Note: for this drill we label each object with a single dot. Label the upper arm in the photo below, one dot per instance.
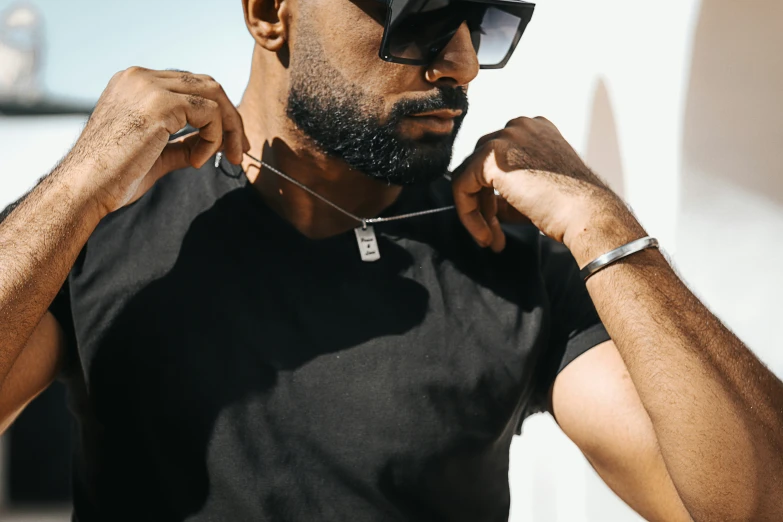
(596, 404)
(574, 324)
(34, 369)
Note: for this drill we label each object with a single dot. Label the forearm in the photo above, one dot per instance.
(39, 242)
(717, 411)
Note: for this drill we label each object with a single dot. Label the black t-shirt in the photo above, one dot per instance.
(224, 367)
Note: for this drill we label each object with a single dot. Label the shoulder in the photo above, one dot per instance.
(155, 225)
(174, 201)
(177, 195)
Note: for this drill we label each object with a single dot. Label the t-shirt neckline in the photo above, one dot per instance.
(405, 202)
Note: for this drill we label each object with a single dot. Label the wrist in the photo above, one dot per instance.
(602, 229)
(74, 182)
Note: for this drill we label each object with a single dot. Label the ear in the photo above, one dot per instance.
(267, 21)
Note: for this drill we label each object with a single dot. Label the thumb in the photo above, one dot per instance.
(176, 155)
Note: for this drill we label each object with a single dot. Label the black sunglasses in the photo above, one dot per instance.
(416, 31)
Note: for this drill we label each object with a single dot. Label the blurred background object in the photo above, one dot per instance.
(678, 104)
(21, 53)
(21, 43)
(35, 452)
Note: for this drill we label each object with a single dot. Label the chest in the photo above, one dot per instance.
(420, 347)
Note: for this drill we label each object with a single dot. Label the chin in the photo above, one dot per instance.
(420, 170)
(436, 140)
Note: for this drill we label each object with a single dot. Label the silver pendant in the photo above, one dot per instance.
(368, 244)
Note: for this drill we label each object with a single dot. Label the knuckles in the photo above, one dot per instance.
(154, 100)
(521, 121)
(530, 124)
(544, 120)
(140, 89)
(131, 75)
(494, 140)
(207, 85)
(513, 144)
(131, 72)
(204, 78)
(196, 101)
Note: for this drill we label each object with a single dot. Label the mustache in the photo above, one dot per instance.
(454, 98)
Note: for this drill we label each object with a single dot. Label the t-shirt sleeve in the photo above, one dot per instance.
(61, 310)
(574, 325)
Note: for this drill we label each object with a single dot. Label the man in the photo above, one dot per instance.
(241, 343)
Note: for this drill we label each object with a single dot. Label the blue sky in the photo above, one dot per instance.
(87, 41)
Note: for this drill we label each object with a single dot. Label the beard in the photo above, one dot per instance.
(342, 121)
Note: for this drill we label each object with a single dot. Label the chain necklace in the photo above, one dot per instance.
(365, 235)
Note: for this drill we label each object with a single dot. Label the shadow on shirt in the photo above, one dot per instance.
(197, 375)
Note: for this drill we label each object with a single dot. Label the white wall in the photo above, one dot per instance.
(678, 103)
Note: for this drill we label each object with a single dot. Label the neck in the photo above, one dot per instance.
(275, 140)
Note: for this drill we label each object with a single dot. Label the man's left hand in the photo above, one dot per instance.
(539, 177)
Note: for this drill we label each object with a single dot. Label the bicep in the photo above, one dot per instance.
(596, 404)
(33, 371)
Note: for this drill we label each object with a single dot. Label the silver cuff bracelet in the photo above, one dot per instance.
(617, 254)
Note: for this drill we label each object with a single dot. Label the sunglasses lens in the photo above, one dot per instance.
(495, 35)
(418, 30)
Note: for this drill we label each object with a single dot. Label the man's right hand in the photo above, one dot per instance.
(124, 148)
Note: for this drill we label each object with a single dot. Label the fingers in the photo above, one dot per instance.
(205, 115)
(234, 142)
(177, 155)
(475, 200)
(489, 210)
(466, 186)
(489, 137)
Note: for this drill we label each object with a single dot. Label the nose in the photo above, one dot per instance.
(457, 63)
